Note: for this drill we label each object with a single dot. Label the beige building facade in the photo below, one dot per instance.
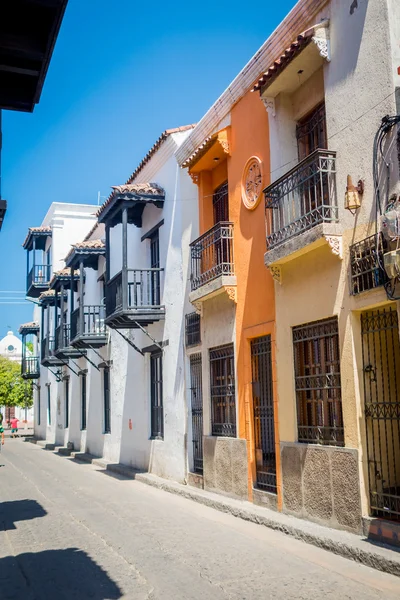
(334, 176)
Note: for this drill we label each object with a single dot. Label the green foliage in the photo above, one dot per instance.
(29, 345)
(14, 391)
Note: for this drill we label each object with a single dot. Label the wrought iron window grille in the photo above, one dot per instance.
(212, 255)
(366, 264)
(221, 203)
(317, 383)
(311, 132)
(196, 397)
(302, 198)
(192, 329)
(223, 393)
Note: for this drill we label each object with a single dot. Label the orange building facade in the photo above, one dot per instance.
(233, 293)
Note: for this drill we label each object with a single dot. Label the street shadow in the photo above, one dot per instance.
(19, 510)
(55, 574)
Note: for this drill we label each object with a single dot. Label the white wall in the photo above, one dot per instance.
(129, 441)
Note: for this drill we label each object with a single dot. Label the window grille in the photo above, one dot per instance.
(221, 203)
(48, 405)
(66, 400)
(38, 405)
(196, 396)
(156, 395)
(107, 408)
(223, 403)
(317, 383)
(193, 335)
(366, 264)
(83, 401)
(311, 132)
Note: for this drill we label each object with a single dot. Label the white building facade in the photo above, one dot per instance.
(46, 247)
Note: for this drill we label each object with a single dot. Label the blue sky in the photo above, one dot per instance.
(122, 72)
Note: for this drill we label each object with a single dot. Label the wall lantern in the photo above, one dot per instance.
(352, 197)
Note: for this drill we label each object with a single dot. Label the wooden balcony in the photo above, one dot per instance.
(133, 299)
(88, 328)
(47, 353)
(63, 348)
(30, 368)
(212, 264)
(38, 280)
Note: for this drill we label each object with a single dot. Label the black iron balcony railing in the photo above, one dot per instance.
(30, 367)
(142, 292)
(302, 198)
(212, 255)
(91, 325)
(39, 275)
(366, 264)
(62, 338)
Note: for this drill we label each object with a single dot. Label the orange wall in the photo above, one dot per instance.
(255, 313)
(208, 182)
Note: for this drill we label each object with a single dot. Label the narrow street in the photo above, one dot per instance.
(69, 530)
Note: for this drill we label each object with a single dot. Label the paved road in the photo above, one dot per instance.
(71, 531)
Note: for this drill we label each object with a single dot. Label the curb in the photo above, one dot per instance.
(369, 559)
(248, 513)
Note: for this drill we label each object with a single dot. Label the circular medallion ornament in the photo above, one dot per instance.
(252, 183)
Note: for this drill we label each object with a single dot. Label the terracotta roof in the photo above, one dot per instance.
(202, 149)
(156, 146)
(146, 159)
(151, 189)
(31, 325)
(41, 229)
(90, 244)
(62, 273)
(143, 189)
(46, 294)
(286, 57)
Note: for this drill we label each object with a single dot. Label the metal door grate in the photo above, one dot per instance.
(263, 410)
(381, 367)
(223, 404)
(196, 393)
(156, 393)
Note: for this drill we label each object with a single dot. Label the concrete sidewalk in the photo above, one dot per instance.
(348, 545)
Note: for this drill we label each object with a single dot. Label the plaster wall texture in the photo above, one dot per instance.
(316, 284)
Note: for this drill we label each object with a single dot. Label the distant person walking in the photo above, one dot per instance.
(1, 429)
(14, 427)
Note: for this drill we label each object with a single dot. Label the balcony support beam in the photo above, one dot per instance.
(81, 298)
(124, 258)
(55, 317)
(148, 335)
(71, 298)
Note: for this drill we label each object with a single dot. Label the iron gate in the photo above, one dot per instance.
(381, 367)
(196, 392)
(263, 410)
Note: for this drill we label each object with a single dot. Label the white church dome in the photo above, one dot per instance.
(11, 347)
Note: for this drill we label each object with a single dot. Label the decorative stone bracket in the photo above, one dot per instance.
(322, 41)
(276, 273)
(269, 104)
(336, 244)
